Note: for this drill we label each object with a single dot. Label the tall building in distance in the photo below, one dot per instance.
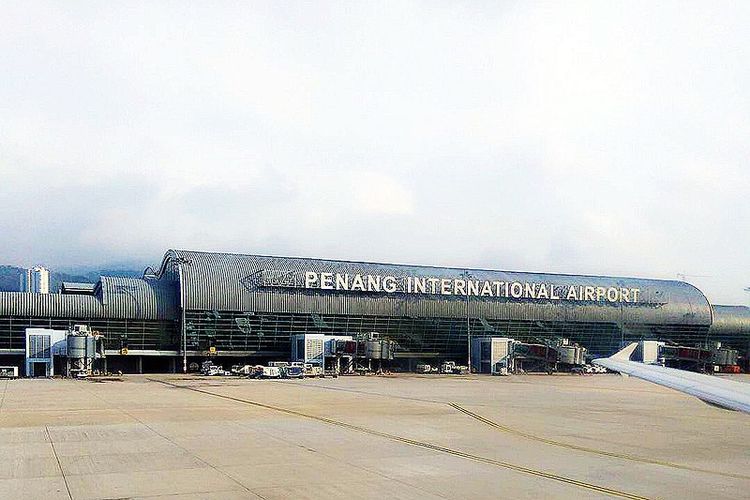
(35, 280)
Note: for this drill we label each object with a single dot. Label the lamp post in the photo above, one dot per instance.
(468, 321)
(179, 260)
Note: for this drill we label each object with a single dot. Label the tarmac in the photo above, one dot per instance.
(401, 436)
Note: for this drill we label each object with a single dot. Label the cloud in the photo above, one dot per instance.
(587, 137)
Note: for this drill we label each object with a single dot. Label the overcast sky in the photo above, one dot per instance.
(595, 137)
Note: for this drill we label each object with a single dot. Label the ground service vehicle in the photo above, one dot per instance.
(271, 372)
(313, 370)
(292, 372)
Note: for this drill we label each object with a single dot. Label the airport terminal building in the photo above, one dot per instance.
(249, 307)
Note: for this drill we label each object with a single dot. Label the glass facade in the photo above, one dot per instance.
(267, 334)
(136, 334)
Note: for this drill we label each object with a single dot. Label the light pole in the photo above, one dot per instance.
(468, 320)
(179, 260)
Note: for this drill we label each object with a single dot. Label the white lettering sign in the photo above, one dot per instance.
(470, 287)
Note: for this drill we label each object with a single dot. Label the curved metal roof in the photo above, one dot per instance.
(731, 320)
(236, 282)
(139, 298)
(116, 298)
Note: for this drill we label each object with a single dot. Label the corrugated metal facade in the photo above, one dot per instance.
(731, 321)
(137, 313)
(115, 298)
(231, 282)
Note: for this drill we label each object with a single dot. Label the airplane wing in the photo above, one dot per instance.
(713, 390)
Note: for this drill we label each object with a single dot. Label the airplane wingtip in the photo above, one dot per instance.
(625, 353)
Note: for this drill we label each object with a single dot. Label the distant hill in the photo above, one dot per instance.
(10, 277)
